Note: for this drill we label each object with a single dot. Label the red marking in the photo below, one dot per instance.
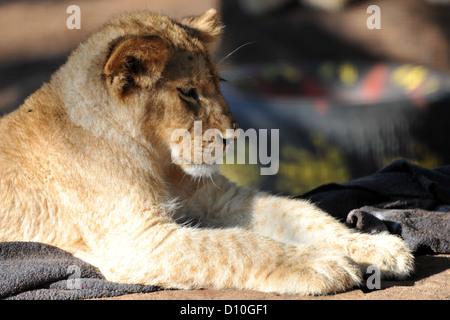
(322, 107)
(374, 82)
(310, 88)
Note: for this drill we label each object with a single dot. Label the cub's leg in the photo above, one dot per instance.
(288, 219)
(182, 257)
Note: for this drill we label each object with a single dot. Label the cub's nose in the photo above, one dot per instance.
(229, 141)
(229, 137)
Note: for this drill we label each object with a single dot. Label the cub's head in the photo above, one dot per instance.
(154, 77)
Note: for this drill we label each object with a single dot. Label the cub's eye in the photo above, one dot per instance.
(189, 94)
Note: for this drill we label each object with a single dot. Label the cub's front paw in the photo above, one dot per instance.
(313, 271)
(332, 272)
(388, 253)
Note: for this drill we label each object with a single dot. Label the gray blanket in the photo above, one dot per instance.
(423, 230)
(402, 198)
(30, 271)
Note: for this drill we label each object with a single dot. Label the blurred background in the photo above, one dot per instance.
(347, 99)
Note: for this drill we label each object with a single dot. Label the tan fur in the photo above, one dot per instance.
(85, 165)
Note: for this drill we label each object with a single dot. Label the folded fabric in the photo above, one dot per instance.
(31, 270)
(421, 229)
(419, 197)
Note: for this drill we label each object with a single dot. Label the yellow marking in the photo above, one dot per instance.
(409, 77)
(348, 74)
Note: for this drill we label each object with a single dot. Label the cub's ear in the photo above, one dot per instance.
(135, 62)
(208, 25)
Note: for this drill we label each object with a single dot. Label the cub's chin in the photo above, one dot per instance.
(196, 170)
(200, 170)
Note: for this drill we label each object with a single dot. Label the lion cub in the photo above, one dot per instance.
(85, 165)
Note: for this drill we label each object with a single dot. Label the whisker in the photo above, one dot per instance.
(210, 175)
(183, 177)
(198, 180)
(234, 51)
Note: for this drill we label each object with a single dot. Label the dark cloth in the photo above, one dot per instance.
(404, 199)
(421, 229)
(31, 270)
